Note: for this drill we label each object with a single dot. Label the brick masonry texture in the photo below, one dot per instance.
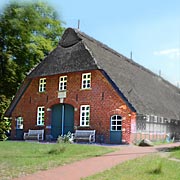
(102, 98)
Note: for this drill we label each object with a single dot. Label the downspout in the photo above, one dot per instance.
(62, 132)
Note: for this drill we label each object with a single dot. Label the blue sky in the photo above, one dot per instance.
(148, 28)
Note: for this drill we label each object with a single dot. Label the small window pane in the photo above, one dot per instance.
(118, 122)
(119, 117)
(119, 128)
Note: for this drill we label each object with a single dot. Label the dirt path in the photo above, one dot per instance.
(88, 167)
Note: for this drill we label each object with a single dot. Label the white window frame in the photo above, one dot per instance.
(42, 84)
(40, 115)
(86, 81)
(62, 83)
(85, 115)
(19, 122)
(116, 123)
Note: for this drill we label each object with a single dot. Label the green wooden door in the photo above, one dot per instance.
(115, 131)
(62, 120)
(19, 128)
(68, 118)
(56, 124)
(19, 134)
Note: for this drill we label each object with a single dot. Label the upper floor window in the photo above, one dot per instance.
(40, 115)
(42, 85)
(62, 83)
(85, 115)
(86, 81)
(19, 123)
(116, 123)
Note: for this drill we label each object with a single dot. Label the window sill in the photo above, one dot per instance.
(44, 92)
(86, 89)
(84, 126)
(62, 90)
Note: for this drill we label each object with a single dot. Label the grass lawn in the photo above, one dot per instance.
(151, 167)
(20, 158)
(175, 153)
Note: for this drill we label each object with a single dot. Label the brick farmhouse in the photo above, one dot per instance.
(84, 84)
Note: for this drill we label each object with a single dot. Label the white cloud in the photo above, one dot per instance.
(171, 53)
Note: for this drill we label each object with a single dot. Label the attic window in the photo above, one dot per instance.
(62, 83)
(42, 85)
(86, 81)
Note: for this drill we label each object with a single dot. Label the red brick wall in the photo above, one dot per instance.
(102, 98)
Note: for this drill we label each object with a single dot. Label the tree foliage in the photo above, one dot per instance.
(28, 32)
(4, 123)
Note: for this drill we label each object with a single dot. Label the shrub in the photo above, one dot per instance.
(67, 138)
(4, 129)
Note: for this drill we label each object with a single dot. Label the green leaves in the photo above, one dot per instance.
(28, 32)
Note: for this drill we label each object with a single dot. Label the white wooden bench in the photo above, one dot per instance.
(34, 134)
(85, 135)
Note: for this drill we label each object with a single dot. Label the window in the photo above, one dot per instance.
(62, 83)
(42, 85)
(19, 123)
(40, 115)
(86, 81)
(85, 115)
(116, 123)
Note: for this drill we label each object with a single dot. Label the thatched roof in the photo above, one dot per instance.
(146, 92)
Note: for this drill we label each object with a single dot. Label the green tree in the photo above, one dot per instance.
(28, 32)
(4, 122)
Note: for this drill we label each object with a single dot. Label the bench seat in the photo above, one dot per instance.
(85, 135)
(34, 135)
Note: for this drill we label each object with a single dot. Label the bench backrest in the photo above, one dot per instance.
(84, 132)
(36, 131)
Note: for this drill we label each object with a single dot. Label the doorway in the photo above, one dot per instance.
(62, 120)
(116, 129)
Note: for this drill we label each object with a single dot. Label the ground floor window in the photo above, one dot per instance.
(116, 123)
(85, 115)
(40, 116)
(19, 123)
